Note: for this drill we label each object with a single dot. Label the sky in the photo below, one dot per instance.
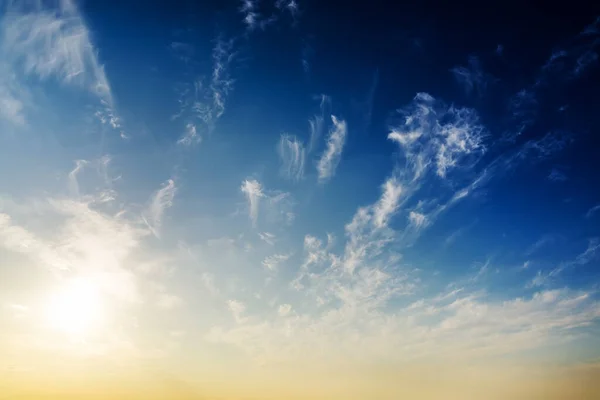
(299, 199)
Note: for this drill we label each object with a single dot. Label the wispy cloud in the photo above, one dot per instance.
(292, 155)
(388, 203)
(316, 123)
(253, 17)
(284, 309)
(417, 220)
(327, 164)
(190, 137)
(54, 42)
(543, 241)
(457, 234)
(472, 77)
(272, 262)
(590, 213)
(267, 237)
(159, 202)
(556, 175)
(432, 133)
(237, 309)
(590, 254)
(12, 108)
(252, 189)
(73, 183)
(202, 102)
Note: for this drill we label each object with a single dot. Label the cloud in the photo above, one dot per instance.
(590, 254)
(458, 233)
(73, 184)
(331, 157)
(557, 175)
(161, 200)
(202, 102)
(267, 237)
(472, 77)
(417, 220)
(284, 310)
(11, 106)
(208, 281)
(291, 153)
(590, 213)
(54, 43)
(431, 133)
(316, 123)
(252, 189)
(190, 136)
(543, 241)
(237, 309)
(272, 262)
(388, 203)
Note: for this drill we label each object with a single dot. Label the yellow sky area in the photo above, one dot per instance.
(418, 382)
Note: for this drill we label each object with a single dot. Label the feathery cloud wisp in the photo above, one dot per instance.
(291, 153)
(252, 189)
(54, 42)
(160, 201)
(190, 136)
(331, 157)
(472, 77)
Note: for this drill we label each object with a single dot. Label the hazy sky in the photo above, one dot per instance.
(297, 199)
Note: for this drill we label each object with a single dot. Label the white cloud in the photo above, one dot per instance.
(267, 237)
(237, 309)
(417, 220)
(590, 213)
(11, 107)
(291, 152)
(252, 189)
(388, 203)
(54, 42)
(73, 184)
(159, 202)
(284, 309)
(190, 137)
(330, 158)
(272, 262)
(432, 133)
(316, 123)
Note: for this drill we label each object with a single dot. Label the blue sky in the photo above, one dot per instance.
(267, 186)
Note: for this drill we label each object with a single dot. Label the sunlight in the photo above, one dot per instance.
(77, 308)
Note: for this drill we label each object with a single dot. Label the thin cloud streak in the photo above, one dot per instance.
(159, 203)
(331, 157)
(292, 155)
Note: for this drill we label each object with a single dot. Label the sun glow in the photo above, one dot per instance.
(77, 308)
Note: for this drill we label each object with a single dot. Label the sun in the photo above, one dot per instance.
(77, 308)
